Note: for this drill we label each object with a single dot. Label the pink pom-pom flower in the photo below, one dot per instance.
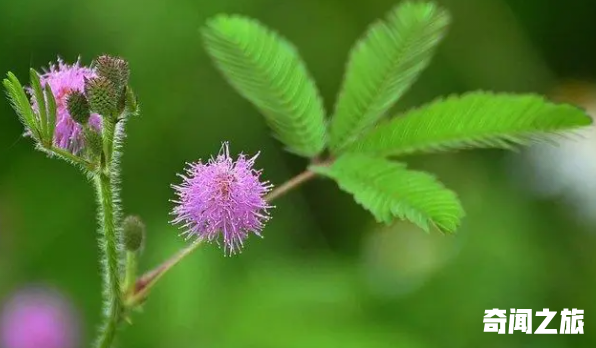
(38, 318)
(222, 200)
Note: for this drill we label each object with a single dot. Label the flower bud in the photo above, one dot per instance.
(102, 96)
(78, 107)
(93, 141)
(115, 70)
(133, 232)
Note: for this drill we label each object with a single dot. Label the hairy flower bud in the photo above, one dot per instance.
(115, 70)
(78, 107)
(133, 233)
(93, 141)
(102, 96)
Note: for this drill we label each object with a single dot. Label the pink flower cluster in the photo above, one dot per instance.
(222, 197)
(63, 79)
(37, 318)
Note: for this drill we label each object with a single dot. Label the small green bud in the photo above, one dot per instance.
(93, 142)
(115, 69)
(102, 96)
(78, 107)
(133, 232)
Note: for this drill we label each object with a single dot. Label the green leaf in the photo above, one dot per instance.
(20, 103)
(389, 190)
(267, 70)
(41, 104)
(131, 104)
(52, 110)
(383, 65)
(474, 120)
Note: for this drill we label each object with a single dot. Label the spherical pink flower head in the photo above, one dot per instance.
(37, 319)
(64, 79)
(222, 198)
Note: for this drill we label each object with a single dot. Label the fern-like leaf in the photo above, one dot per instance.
(474, 120)
(389, 190)
(267, 70)
(38, 93)
(383, 65)
(52, 111)
(20, 103)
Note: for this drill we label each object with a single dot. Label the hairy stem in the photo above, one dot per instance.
(109, 240)
(109, 129)
(149, 279)
(110, 260)
(56, 151)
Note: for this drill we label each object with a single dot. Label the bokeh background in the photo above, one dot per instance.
(325, 275)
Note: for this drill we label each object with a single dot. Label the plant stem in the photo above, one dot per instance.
(109, 240)
(149, 279)
(70, 157)
(109, 127)
(290, 184)
(110, 260)
(131, 272)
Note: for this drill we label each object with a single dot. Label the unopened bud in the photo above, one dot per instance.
(102, 96)
(115, 69)
(133, 232)
(78, 107)
(93, 142)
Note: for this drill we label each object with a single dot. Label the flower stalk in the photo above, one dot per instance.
(109, 240)
(131, 272)
(110, 260)
(133, 235)
(99, 91)
(147, 281)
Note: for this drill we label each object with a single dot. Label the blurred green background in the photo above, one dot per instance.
(325, 275)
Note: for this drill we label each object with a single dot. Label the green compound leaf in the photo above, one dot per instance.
(20, 103)
(383, 65)
(267, 70)
(389, 190)
(474, 120)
